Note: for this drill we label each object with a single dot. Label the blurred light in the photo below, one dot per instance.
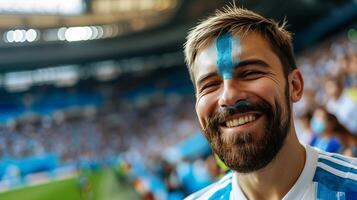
(21, 81)
(70, 34)
(108, 31)
(352, 35)
(78, 34)
(100, 32)
(88, 32)
(94, 33)
(31, 35)
(10, 36)
(18, 81)
(23, 35)
(19, 35)
(61, 33)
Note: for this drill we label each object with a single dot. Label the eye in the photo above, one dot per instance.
(210, 85)
(251, 74)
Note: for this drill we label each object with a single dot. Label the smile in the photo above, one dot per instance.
(241, 120)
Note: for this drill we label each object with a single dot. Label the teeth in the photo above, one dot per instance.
(235, 122)
(231, 123)
(240, 121)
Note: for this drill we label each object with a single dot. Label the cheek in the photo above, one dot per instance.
(265, 90)
(205, 106)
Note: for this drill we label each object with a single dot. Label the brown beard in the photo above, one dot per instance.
(246, 152)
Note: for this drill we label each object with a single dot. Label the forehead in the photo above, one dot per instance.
(251, 46)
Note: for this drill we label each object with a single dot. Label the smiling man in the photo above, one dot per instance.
(246, 80)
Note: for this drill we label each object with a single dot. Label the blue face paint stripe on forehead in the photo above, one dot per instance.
(228, 50)
(224, 56)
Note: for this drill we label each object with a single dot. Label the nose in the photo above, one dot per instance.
(231, 94)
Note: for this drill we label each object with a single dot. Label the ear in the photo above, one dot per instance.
(296, 85)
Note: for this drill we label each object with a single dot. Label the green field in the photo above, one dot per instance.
(103, 186)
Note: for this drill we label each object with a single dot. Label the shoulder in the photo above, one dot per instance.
(219, 188)
(336, 172)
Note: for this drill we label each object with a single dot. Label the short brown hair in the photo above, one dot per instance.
(240, 21)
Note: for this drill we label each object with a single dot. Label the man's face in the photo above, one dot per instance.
(242, 104)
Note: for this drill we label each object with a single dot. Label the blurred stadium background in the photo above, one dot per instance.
(96, 102)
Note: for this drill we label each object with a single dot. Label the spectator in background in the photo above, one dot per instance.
(331, 135)
(341, 104)
(327, 131)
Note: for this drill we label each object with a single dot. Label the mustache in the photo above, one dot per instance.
(240, 107)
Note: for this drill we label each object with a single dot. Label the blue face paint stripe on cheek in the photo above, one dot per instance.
(224, 55)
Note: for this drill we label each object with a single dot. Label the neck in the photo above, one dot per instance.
(286, 167)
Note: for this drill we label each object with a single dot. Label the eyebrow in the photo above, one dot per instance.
(205, 77)
(252, 62)
(240, 64)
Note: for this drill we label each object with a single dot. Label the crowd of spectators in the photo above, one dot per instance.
(327, 114)
(133, 128)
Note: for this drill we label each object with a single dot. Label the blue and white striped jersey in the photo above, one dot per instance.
(326, 176)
